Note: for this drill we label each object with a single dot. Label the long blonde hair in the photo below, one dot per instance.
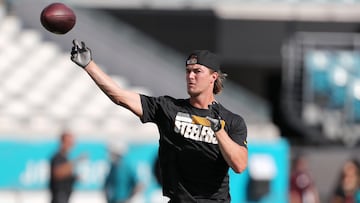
(218, 85)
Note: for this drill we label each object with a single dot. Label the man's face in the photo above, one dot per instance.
(199, 79)
(67, 141)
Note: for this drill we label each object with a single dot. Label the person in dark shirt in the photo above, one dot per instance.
(200, 139)
(62, 176)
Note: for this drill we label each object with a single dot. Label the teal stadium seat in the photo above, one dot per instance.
(317, 66)
(353, 102)
(346, 68)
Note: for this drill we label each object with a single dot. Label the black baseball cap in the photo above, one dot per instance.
(205, 58)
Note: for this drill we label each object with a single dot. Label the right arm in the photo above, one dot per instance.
(81, 55)
(122, 97)
(63, 170)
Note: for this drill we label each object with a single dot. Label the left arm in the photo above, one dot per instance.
(235, 155)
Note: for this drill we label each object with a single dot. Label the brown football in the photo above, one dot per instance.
(58, 18)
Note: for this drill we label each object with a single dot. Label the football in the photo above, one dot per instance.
(58, 18)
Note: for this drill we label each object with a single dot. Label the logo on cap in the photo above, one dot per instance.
(192, 60)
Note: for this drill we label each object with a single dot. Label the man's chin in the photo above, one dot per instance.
(192, 93)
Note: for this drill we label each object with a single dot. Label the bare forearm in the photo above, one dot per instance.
(235, 155)
(104, 82)
(64, 170)
(127, 99)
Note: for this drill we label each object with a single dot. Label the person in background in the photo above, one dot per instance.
(62, 176)
(302, 186)
(348, 186)
(121, 184)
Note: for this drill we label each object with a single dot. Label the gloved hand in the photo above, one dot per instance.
(215, 119)
(80, 54)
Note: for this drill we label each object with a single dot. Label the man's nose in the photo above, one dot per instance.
(191, 74)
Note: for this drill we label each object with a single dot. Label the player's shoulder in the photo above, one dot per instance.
(167, 97)
(163, 98)
(174, 100)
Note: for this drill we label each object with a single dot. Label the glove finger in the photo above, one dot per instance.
(214, 109)
(73, 56)
(73, 50)
(83, 46)
(76, 43)
(210, 119)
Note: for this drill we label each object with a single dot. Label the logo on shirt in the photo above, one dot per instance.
(195, 128)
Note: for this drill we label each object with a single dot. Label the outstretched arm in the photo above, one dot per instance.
(122, 97)
(81, 55)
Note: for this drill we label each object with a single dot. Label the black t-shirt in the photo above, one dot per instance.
(60, 189)
(192, 166)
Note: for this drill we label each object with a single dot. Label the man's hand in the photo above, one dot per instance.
(80, 54)
(215, 119)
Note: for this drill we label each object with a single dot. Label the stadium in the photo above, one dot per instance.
(292, 70)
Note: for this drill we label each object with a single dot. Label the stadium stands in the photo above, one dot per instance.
(41, 88)
(326, 73)
(320, 10)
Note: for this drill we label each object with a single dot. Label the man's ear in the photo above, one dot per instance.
(215, 75)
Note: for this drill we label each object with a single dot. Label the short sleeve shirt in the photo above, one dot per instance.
(191, 162)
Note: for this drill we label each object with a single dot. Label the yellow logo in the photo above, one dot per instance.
(203, 121)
